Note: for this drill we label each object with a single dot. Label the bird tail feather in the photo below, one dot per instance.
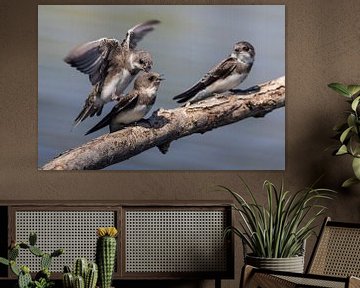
(104, 122)
(90, 108)
(188, 94)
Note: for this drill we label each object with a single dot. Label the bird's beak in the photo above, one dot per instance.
(147, 68)
(161, 78)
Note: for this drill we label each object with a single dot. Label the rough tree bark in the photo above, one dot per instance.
(165, 126)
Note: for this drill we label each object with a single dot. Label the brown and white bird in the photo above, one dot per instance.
(225, 76)
(111, 66)
(133, 106)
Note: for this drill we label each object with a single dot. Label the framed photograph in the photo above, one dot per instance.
(186, 43)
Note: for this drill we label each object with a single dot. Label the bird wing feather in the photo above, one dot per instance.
(92, 58)
(222, 70)
(136, 33)
(126, 102)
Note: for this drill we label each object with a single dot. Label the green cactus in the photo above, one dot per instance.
(36, 251)
(91, 276)
(4, 261)
(68, 280)
(25, 269)
(45, 261)
(80, 267)
(87, 272)
(24, 245)
(106, 254)
(67, 269)
(32, 238)
(13, 253)
(42, 278)
(79, 282)
(57, 252)
(24, 280)
(14, 268)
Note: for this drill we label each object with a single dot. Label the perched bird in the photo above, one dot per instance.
(133, 106)
(111, 66)
(228, 74)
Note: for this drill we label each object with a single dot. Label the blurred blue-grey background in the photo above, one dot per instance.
(188, 42)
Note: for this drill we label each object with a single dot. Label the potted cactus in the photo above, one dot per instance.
(106, 254)
(84, 275)
(42, 278)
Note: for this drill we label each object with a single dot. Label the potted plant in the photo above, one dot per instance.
(84, 274)
(106, 254)
(348, 132)
(276, 233)
(87, 274)
(42, 278)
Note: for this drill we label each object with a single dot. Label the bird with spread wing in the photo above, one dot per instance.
(111, 66)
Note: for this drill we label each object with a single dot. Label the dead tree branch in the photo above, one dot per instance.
(165, 126)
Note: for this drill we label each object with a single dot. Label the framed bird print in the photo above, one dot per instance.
(161, 87)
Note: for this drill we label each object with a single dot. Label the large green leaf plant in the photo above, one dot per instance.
(348, 133)
(280, 228)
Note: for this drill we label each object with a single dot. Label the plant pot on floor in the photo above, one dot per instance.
(276, 232)
(290, 264)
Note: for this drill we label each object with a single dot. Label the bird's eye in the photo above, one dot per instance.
(237, 49)
(246, 48)
(141, 61)
(151, 78)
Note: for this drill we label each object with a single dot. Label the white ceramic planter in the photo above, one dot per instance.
(291, 264)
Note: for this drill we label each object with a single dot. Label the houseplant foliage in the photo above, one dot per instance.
(348, 133)
(42, 278)
(280, 228)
